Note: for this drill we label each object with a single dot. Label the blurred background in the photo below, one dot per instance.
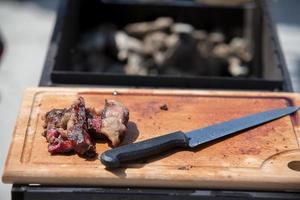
(26, 28)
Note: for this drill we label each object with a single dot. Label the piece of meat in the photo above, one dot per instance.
(94, 120)
(115, 109)
(111, 122)
(61, 146)
(56, 118)
(77, 128)
(114, 117)
(69, 129)
(66, 130)
(113, 129)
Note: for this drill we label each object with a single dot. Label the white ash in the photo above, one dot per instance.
(199, 35)
(182, 28)
(125, 44)
(140, 29)
(163, 46)
(235, 67)
(154, 42)
(135, 65)
(240, 47)
(216, 37)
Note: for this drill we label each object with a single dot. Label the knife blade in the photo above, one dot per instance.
(115, 157)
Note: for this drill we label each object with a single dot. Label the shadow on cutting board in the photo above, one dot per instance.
(132, 135)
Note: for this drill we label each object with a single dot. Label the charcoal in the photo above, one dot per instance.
(162, 47)
(98, 39)
(182, 28)
(217, 66)
(162, 58)
(154, 42)
(181, 54)
(140, 29)
(135, 65)
(159, 58)
(216, 37)
(126, 44)
(98, 62)
(240, 48)
(199, 35)
(172, 40)
(221, 50)
(204, 48)
(235, 68)
(93, 42)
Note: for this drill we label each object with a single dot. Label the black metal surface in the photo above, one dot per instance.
(276, 45)
(77, 17)
(53, 46)
(85, 78)
(25, 192)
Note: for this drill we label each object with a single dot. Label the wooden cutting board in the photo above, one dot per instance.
(265, 157)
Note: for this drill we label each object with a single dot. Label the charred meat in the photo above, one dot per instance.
(111, 122)
(66, 130)
(94, 120)
(70, 129)
(77, 128)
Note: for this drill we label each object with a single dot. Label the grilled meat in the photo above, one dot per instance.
(111, 122)
(66, 130)
(70, 129)
(77, 128)
(115, 109)
(94, 120)
(115, 117)
(57, 118)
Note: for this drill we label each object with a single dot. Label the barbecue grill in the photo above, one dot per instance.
(252, 21)
(268, 72)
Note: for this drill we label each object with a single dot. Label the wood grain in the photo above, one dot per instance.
(255, 159)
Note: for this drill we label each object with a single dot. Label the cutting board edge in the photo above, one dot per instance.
(166, 91)
(281, 184)
(30, 93)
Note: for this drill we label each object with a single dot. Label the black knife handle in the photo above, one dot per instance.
(114, 157)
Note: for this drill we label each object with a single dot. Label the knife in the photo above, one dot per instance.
(115, 157)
